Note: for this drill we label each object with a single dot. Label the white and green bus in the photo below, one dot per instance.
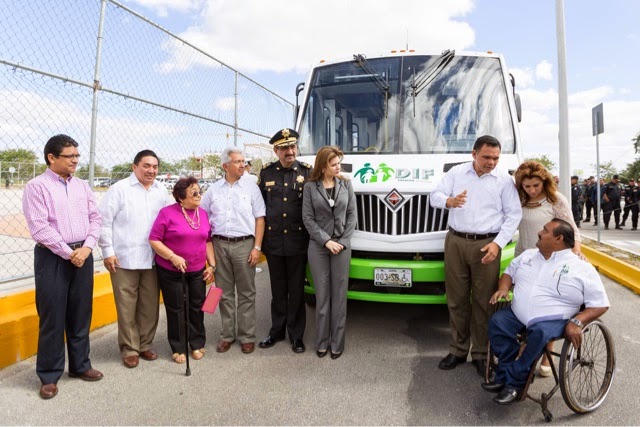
(403, 120)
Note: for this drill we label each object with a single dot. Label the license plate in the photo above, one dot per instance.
(392, 277)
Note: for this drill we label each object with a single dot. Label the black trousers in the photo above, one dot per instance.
(64, 301)
(287, 295)
(612, 207)
(590, 207)
(172, 288)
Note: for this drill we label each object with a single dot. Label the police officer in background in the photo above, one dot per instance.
(627, 191)
(575, 199)
(285, 240)
(631, 200)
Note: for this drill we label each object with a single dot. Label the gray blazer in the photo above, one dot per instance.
(324, 223)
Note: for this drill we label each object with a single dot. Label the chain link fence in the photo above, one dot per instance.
(117, 83)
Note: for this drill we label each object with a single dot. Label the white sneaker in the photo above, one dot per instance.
(544, 371)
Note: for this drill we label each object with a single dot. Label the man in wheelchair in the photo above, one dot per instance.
(551, 283)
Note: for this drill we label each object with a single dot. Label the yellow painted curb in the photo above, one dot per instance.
(623, 273)
(19, 320)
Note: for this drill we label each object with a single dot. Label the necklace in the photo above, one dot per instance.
(195, 225)
(329, 192)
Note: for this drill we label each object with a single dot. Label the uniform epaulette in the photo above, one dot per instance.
(305, 165)
(266, 165)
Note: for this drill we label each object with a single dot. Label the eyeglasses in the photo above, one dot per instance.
(197, 193)
(69, 156)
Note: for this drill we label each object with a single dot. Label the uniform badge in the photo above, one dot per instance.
(300, 178)
(269, 183)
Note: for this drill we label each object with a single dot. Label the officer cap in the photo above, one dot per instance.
(575, 177)
(284, 138)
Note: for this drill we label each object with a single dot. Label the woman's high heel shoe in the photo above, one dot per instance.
(321, 354)
(334, 356)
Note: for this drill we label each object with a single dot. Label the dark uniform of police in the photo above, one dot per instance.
(575, 201)
(285, 241)
(626, 193)
(612, 205)
(631, 200)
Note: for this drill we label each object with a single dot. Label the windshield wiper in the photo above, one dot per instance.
(382, 85)
(419, 83)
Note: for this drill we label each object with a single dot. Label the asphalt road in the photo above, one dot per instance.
(388, 375)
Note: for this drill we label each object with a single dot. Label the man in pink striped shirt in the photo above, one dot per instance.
(63, 219)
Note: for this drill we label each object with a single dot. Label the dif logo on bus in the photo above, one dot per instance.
(368, 174)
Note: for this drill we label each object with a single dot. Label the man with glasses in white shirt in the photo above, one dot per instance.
(128, 211)
(236, 213)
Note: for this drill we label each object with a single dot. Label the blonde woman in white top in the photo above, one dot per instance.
(541, 202)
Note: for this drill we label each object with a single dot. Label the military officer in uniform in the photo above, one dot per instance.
(285, 240)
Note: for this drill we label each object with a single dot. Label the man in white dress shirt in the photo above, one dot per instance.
(484, 213)
(236, 213)
(551, 283)
(128, 211)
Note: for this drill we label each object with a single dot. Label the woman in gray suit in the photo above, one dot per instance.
(329, 214)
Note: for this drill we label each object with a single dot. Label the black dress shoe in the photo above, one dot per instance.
(269, 342)
(298, 346)
(334, 356)
(451, 362)
(481, 366)
(492, 387)
(507, 396)
(321, 354)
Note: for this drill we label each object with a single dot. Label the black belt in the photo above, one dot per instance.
(233, 239)
(73, 246)
(471, 236)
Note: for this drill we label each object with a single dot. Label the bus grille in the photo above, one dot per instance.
(414, 217)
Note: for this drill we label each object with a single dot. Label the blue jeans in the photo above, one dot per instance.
(503, 328)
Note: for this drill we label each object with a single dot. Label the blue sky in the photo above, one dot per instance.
(276, 41)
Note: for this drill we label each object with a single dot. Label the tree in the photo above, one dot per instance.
(545, 161)
(121, 171)
(636, 143)
(607, 170)
(18, 155)
(632, 170)
(83, 171)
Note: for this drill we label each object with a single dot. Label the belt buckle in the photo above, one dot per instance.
(469, 236)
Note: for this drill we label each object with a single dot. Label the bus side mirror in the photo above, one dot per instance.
(518, 106)
(299, 89)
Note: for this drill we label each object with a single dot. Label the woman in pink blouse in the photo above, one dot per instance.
(180, 236)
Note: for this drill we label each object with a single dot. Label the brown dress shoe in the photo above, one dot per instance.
(248, 347)
(47, 391)
(223, 346)
(130, 361)
(90, 375)
(149, 355)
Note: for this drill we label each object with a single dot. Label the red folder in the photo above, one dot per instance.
(212, 300)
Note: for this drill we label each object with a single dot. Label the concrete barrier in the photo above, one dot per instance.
(623, 273)
(19, 320)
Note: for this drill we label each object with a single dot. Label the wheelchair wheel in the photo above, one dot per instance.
(586, 373)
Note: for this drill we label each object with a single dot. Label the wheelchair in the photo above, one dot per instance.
(584, 375)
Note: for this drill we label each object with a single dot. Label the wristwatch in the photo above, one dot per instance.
(258, 248)
(577, 322)
(213, 266)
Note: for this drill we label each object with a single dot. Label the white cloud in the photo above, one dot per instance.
(543, 71)
(225, 104)
(276, 37)
(162, 7)
(524, 77)
(539, 128)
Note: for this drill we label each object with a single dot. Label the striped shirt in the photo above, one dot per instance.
(61, 211)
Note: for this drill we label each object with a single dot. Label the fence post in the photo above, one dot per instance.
(235, 112)
(96, 88)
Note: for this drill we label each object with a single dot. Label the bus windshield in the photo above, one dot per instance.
(445, 113)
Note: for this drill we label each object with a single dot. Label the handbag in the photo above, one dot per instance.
(213, 298)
